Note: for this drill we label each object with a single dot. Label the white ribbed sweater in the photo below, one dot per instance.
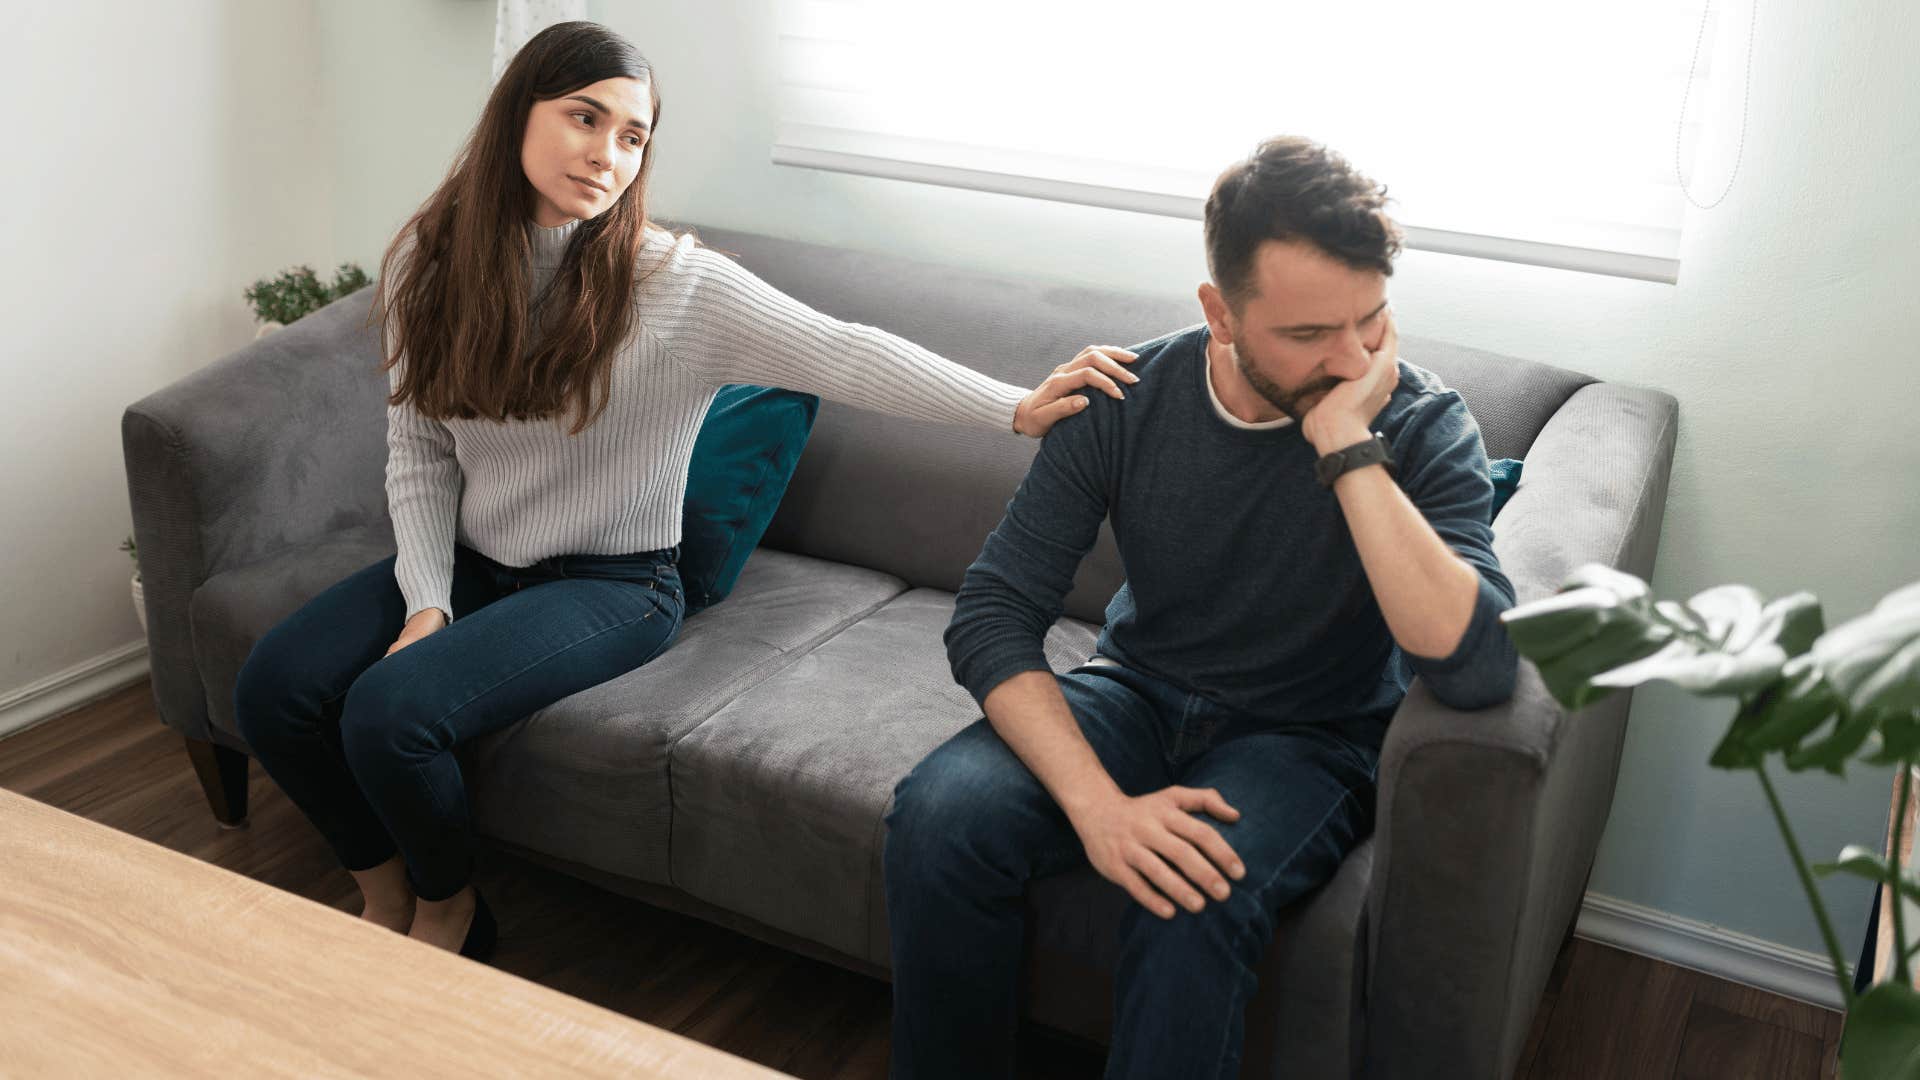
(522, 491)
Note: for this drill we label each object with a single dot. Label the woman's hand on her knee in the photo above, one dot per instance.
(424, 622)
(1152, 846)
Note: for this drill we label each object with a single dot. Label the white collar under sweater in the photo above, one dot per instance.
(1206, 376)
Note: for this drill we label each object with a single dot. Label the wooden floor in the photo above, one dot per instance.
(1606, 1013)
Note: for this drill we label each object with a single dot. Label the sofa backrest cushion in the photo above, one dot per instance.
(917, 500)
(742, 462)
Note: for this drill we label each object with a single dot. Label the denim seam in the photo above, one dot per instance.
(477, 695)
(439, 814)
(1358, 758)
(1346, 793)
(1177, 750)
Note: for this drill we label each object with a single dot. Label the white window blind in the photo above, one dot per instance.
(1513, 129)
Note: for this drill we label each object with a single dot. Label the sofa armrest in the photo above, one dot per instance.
(276, 444)
(1488, 821)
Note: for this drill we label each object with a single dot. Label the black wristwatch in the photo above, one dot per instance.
(1374, 451)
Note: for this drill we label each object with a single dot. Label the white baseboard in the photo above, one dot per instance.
(64, 691)
(1715, 950)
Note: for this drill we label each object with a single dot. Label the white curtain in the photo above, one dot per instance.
(516, 21)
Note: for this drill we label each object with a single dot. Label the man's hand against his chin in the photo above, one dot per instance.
(1345, 415)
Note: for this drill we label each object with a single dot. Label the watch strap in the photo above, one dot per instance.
(1374, 451)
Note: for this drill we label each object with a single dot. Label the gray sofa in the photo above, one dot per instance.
(743, 775)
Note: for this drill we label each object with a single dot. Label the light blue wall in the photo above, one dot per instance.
(1790, 340)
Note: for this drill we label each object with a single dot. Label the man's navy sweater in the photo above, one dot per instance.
(1242, 580)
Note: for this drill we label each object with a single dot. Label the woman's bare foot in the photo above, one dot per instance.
(389, 900)
(444, 923)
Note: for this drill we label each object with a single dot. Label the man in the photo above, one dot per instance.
(1304, 524)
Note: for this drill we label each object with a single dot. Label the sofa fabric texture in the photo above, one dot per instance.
(745, 773)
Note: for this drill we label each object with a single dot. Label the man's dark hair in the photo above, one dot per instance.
(1291, 188)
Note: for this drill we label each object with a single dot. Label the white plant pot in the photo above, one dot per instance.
(266, 328)
(139, 604)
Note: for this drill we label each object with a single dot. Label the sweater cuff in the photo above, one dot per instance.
(982, 679)
(1005, 402)
(446, 609)
(1481, 669)
(421, 596)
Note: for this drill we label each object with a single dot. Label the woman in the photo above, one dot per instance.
(536, 503)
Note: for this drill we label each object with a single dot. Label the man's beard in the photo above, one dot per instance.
(1286, 402)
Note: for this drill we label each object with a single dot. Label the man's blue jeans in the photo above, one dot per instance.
(971, 826)
(363, 742)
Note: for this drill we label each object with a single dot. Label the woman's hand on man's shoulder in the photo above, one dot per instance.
(1056, 398)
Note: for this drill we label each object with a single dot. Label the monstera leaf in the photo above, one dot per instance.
(1865, 673)
(1600, 619)
(1874, 661)
(1736, 643)
(1602, 632)
(1783, 714)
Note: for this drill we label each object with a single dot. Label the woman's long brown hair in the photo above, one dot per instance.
(476, 344)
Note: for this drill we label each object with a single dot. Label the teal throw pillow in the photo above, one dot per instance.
(1506, 479)
(745, 455)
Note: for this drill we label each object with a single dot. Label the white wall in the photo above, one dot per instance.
(161, 158)
(1789, 340)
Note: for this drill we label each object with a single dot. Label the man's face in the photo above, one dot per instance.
(594, 136)
(1306, 325)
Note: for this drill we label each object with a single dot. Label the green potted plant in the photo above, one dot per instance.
(1810, 697)
(297, 292)
(139, 597)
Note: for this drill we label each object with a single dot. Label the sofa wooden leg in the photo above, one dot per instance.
(223, 776)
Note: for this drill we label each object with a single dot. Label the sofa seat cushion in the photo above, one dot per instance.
(779, 798)
(232, 610)
(586, 778)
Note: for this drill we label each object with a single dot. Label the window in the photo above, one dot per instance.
(1540, 133)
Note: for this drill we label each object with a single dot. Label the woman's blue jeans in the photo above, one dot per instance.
(971, 826)
(363, 743)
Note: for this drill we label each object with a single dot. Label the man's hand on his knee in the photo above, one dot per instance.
(1152, 846)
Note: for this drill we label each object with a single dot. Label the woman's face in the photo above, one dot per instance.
(582, 150)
